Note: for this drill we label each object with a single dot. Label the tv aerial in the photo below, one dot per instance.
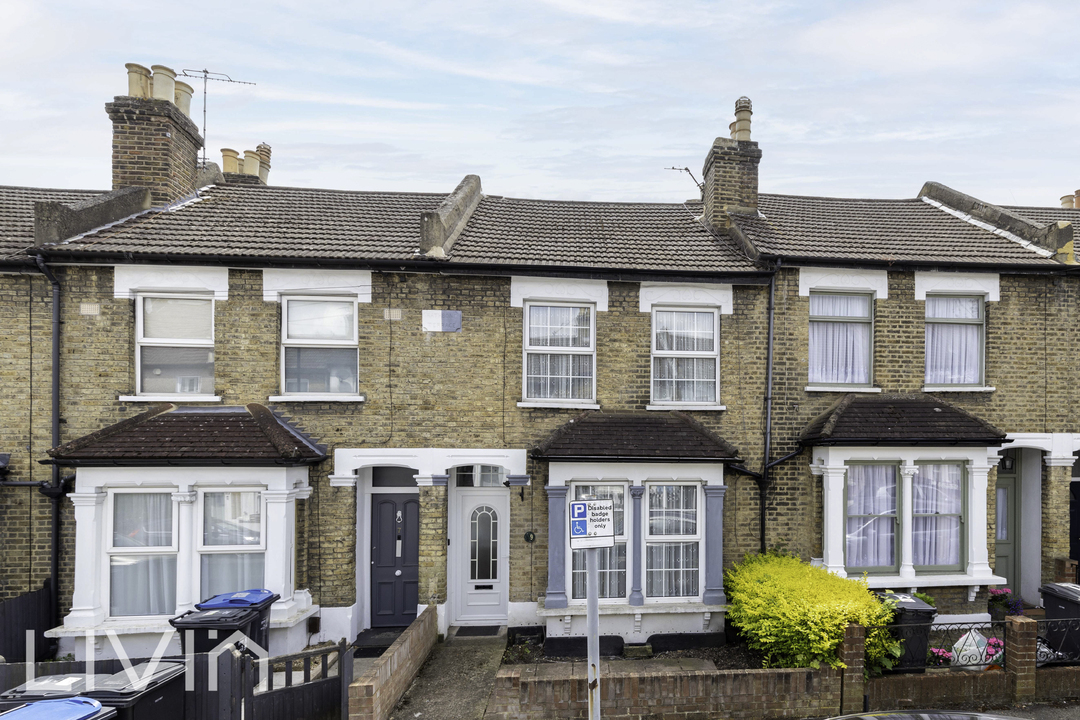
(208, 75)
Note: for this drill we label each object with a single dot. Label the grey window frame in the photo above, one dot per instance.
(829, 318)
(980, 321)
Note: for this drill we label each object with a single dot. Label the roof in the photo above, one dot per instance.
(635, 436)
(167, 434)
(638, 236)
(262, 221)
(1045, 215)
(898, 420)
(847, 229)
(17, 215)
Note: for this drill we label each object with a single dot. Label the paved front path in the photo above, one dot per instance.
(456, 680)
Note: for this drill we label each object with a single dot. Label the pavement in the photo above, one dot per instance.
(1053, 711)
(456, 680)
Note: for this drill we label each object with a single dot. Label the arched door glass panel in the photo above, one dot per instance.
(483, 544)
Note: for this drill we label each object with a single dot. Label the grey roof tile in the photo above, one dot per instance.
(637, 436)
(17, 215)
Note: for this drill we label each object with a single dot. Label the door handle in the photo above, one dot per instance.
(397, 573)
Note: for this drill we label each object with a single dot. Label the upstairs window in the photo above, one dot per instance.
(954, 340)
(841, 331)
(685, 356)
(319, 346)
(175, 345)
(560, 352)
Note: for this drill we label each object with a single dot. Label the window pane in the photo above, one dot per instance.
(178, 318)
(685, 331)
(684, 379)
(176, 370)
(1002, 513)
(953, 354)
(672, 510)
(484, 544)
(551, 326)
(871, 509)
(936, 540)
(839, 352)
(232, 518)
(611, 563)
(142, 585)
(231, 572)
(320, 370)
(562, 377)
(871, 490)
(871, 541)
(953, 308)
(615, 493)
(321, 320)
(671, 569)
(490, 476)
(142, 520)
(937, 501)
(853, 306)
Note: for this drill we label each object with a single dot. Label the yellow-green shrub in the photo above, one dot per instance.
(795, 614)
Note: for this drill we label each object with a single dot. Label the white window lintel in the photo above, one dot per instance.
(844, 280)
(558, 290)
(130, 280)
(954, 283)
(303, 281)
(683, 294)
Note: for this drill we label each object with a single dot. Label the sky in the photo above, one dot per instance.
(568, 99)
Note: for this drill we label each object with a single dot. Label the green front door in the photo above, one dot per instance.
(1008, 536)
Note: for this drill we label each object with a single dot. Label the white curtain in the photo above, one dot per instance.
(840, 351)
(321, 320)
(684, 379)
(953, 350)
(560, 376)
(871, 510)
(684, 331)
(554, 326)
(232, 518)
(671, 569)
(612, 572)
(142, 583)
(936, 505)
(178, 318)
(231, 572)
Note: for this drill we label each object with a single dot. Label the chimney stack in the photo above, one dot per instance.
(1067, 201)
(155, 144)
(731, 171)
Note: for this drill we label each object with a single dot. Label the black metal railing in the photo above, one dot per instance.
(949, 645)
(1058, 642)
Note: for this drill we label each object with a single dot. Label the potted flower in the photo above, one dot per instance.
(1003, 602)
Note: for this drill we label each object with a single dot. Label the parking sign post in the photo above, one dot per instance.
(592, 526)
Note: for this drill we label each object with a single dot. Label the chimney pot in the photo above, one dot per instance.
(251, 163)
(264, 162)
(1067, 201)
(743, 111)
(182, 97)
(1076, 200)
(229, 160)
(138, 80)
(164, 83)
(731, 129)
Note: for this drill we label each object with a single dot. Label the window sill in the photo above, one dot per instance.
(120, 626)
(883, 582)
(957, 388)
(687, 408)
(169, 398)
(842, 389)
(657, 607)
(558, 405)
(316, 397)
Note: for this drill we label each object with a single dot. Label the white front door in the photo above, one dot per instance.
(479, 555)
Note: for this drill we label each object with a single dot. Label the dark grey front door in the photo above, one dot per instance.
(395, 559)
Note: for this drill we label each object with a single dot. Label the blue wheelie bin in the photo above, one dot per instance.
(72, 708)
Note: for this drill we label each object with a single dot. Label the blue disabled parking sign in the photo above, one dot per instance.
(592, 524)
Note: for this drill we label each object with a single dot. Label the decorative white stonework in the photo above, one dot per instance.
(427, 462)
(985, 284)
(847, 280)
(316, 282)
(559, 290)
(657, 293)
(129, 280)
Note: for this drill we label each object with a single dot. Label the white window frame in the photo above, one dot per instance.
(111, 550)
(286, 342)
(201, 548)
(869, 320)
(980, 382)
(527, 349)
(714, 356)
(648, 538)
(141, 342)
(626, 537)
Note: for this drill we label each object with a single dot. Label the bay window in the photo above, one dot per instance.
(684, 356)
(174, 345)
(319, 346)
(231, 545)
(142, 554)
(611, 561)
(872, 518)
(937, 515)
(560, 352)
(672, 540)
(841, 338)
(954, 340)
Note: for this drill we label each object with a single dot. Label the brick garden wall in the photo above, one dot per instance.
(374, 695)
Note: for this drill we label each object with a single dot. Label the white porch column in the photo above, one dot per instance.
(907, 509)
(187, 575)
(280, 532)
(833, 520)
(87, 608)
(978, 556)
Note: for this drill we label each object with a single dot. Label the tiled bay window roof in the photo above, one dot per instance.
(635, 436)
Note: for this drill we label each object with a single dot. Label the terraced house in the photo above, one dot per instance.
(368, 402)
